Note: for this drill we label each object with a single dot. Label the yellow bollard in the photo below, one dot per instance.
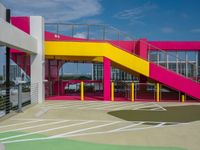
(112, 91)
(132, 91)
(182, 98)
(82, 91)
(158, 92)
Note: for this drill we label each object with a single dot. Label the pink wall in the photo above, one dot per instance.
(176, 45)
(142, 48)
(23, 23)
(174, 80)
(106, 77)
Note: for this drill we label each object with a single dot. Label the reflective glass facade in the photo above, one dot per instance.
(116, 74)
(182, 62)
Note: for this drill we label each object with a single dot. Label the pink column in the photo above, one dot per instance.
(106, 78)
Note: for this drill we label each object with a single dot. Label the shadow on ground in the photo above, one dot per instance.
(181, 114)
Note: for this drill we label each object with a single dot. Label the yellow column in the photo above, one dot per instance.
(157, 92)
(132, 91)
(82, 91)
(112, 91)
(182, 98)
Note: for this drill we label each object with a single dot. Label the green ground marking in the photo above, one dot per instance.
(62, 144)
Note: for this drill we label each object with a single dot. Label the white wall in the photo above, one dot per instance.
(13, 37)
(37, 61)
(2, 12)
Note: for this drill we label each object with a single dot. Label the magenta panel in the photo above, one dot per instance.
(23, 23)
(176, 45)
(106, 78)
(174, 80)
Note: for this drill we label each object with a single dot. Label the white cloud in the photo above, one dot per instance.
(197, 30)
(82, 35)
(136, 14)
(167, 30)
(55, 10)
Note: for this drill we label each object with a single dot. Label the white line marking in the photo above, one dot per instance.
(145, 106)
(73, 135)
(42, 131)
(93, 106)
(41, 125)
(156, 126)
(110, 106)
(16, 124)
(155, 109)
(84, 129)
(160, 107)
(128, 126)
(132, 106)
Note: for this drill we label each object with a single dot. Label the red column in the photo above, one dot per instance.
(106, 78)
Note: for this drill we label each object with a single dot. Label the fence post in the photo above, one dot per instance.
(82, 91)
(132, 91)
(19, 97)
(158, 92)
(112, 91)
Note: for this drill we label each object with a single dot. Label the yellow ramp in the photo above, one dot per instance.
(97, 49)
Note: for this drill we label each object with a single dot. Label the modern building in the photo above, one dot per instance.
(123, 68)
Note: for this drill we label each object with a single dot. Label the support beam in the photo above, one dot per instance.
(37, 61)
(106, 78)
(15, 38)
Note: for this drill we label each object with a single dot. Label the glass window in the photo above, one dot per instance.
(162, 56)
(172, 66)
(172, 56)
(153, 56)
(182, 68)
(181, 56)
(191, 56)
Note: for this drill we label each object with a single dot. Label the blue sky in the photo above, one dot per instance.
(152, 19)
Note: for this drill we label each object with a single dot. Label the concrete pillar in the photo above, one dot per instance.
(106, 78)
(37, 61)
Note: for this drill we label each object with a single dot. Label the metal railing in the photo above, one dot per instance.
(98, 32)
(16, 97)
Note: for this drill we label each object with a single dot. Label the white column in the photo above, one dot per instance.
(37, 61)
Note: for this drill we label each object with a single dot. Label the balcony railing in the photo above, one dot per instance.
(96, 32)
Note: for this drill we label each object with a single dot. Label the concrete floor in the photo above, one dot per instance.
(92, 122)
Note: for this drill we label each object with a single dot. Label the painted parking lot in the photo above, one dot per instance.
(102, 125)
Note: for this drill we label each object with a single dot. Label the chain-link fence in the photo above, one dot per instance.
(145, 91)
(168, 94)
(122, 90)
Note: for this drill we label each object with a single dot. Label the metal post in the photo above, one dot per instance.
(112, 91)
(132, 91)
(19, 98)
(183, 98)
(104, 32)
(82, 91)
(88, 30)
(72, 30)
(158, 92)
(7, 101)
